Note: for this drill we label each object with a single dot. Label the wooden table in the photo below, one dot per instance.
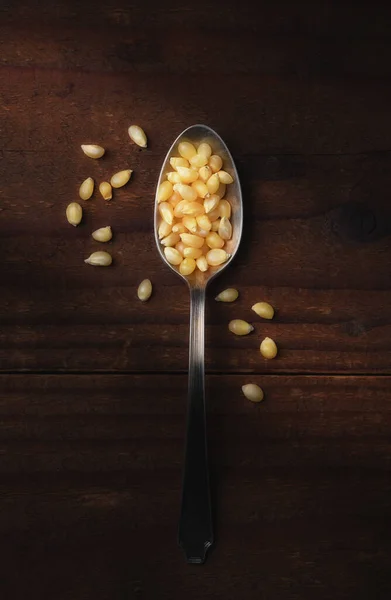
(93, 383)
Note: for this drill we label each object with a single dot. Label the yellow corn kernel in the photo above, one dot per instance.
(225, 177)
(144, 290)
(186, 191)
(268, 348)
(216, 225)
(192, 253)
(173, 256)
(198, 160)
(178, 210)
(187, 266)
(121, 178)
(174, 199)
(166, 212)
(213, 183)
(200, 187)
(204, 149)
(178, 161)
(74, 213)
(211, 202)
(215, 213)
(221, 190)
(164, 192)
(93, 150)
(190, 223)
(225, 209)
(202, 264)
(193, 209)
(105, 190)
(86, 189)
(228, 295)
(173, 177)
(240, 327)
(194, 241)
(214, 240)
(225, 229)
(203, 221)
(205, 173)
(137, 135)
(164, 230)
(180, 246)
(187, 150)
(99, 259)
(202, 232)
(103, 234)
(179, 228)
(253, 392)
(171, 239)
(187, 175)
(216, 257)
(264, 310)
(215, 163)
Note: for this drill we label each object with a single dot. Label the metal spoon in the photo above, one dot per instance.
(195, 534)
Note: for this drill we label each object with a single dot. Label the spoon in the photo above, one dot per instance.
(195, 533)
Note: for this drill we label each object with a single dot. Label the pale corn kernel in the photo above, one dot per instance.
(121, 178)
(179, 228)
(225, 177)
(180, 246)
(187, 175)
(221, 190)
(202, 232)
(178, 161)
(240, 327)
(194, 241)
(173, 177)
(93, 150)
(200, 187)
(228, 295)
(86, 189)
(193, 209)
(215, 213)
(192, 252)
(253, 392)
(225, 209)
(190, 223)
(171, 239)
(164, 192)
(215, 162)
(164, 229)
(264, 310)
(211, 202)
(214, 240)
(204, 149)
(198, 160)
(187, 266)
(173, 256)
(144, 290)
(225, 229)
(186, 191)
(186, 150)
(202, 264)
(213, 184)
(203, 221)
(137, 135)
(103, 234)
(216, 225)
(205, 173)
(174, 199)
(106, 190)
(74, 213)
(268, 348)
(178, 210)
(99, 259)
(166, 212)
(216, 257)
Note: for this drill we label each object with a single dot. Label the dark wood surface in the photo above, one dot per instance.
(93, 384)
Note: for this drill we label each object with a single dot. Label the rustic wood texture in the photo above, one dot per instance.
(92, 410)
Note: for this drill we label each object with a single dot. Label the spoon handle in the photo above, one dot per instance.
(195, 525)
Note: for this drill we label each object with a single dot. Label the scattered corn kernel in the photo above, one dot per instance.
(217, 257)
(225, 229)
(164, 229)
(214, 240)
(202, 264)
(215, 163)
(187, 266)
(225, 177)
(204, 149)
(205, 173)
(86, 189)
(268, 348)
(173, 256)
(240, 327)
(164, 192)
(106, 190)
(213, 183)
(166, 212)
(93, 150)
(264, 310)
(228, 295)
(99, 259)
(74, 213)
(178, 161)
(225, 209)
(253, 392)
(186, 191)
(103, 234)
(203, 221)
(171, 239)
(186, 150)
(144, 290)
(200, 187)
(189, 252)
(121, 178)
(194, 241)
(137, 135)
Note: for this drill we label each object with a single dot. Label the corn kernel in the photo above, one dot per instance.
(194, 241)
(221, 190)
(200, 187)
(193, 209)
(198, 160)
(137, 135)
(213, 184)
(187, 175)
(173, 177)
(205, 173)
(214, 240)
(190, 223)
(204, 222)
(166, 212)
(253, 392)
(164, 230)
(179, 228)
(178, 161)
(225, 229)
(216, 257)
(204, 149)
(187, 266)
(164, 192)
(186, 150)
(211, 202)
(178, 210)
(228, 295)
(225, 177)
(186, 191)
(216, 225)
(86, 189)
(215, 163)
(180, 246)
(144, 290)
(202, 264)
(121, 178)
(264, 310)
(192, 252)
(171, 239)
(173, 256)
(268, 348)
(240, 327)
(225, 209)
(105, 190)
(174, 199)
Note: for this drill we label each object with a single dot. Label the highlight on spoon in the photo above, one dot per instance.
(198, 205)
